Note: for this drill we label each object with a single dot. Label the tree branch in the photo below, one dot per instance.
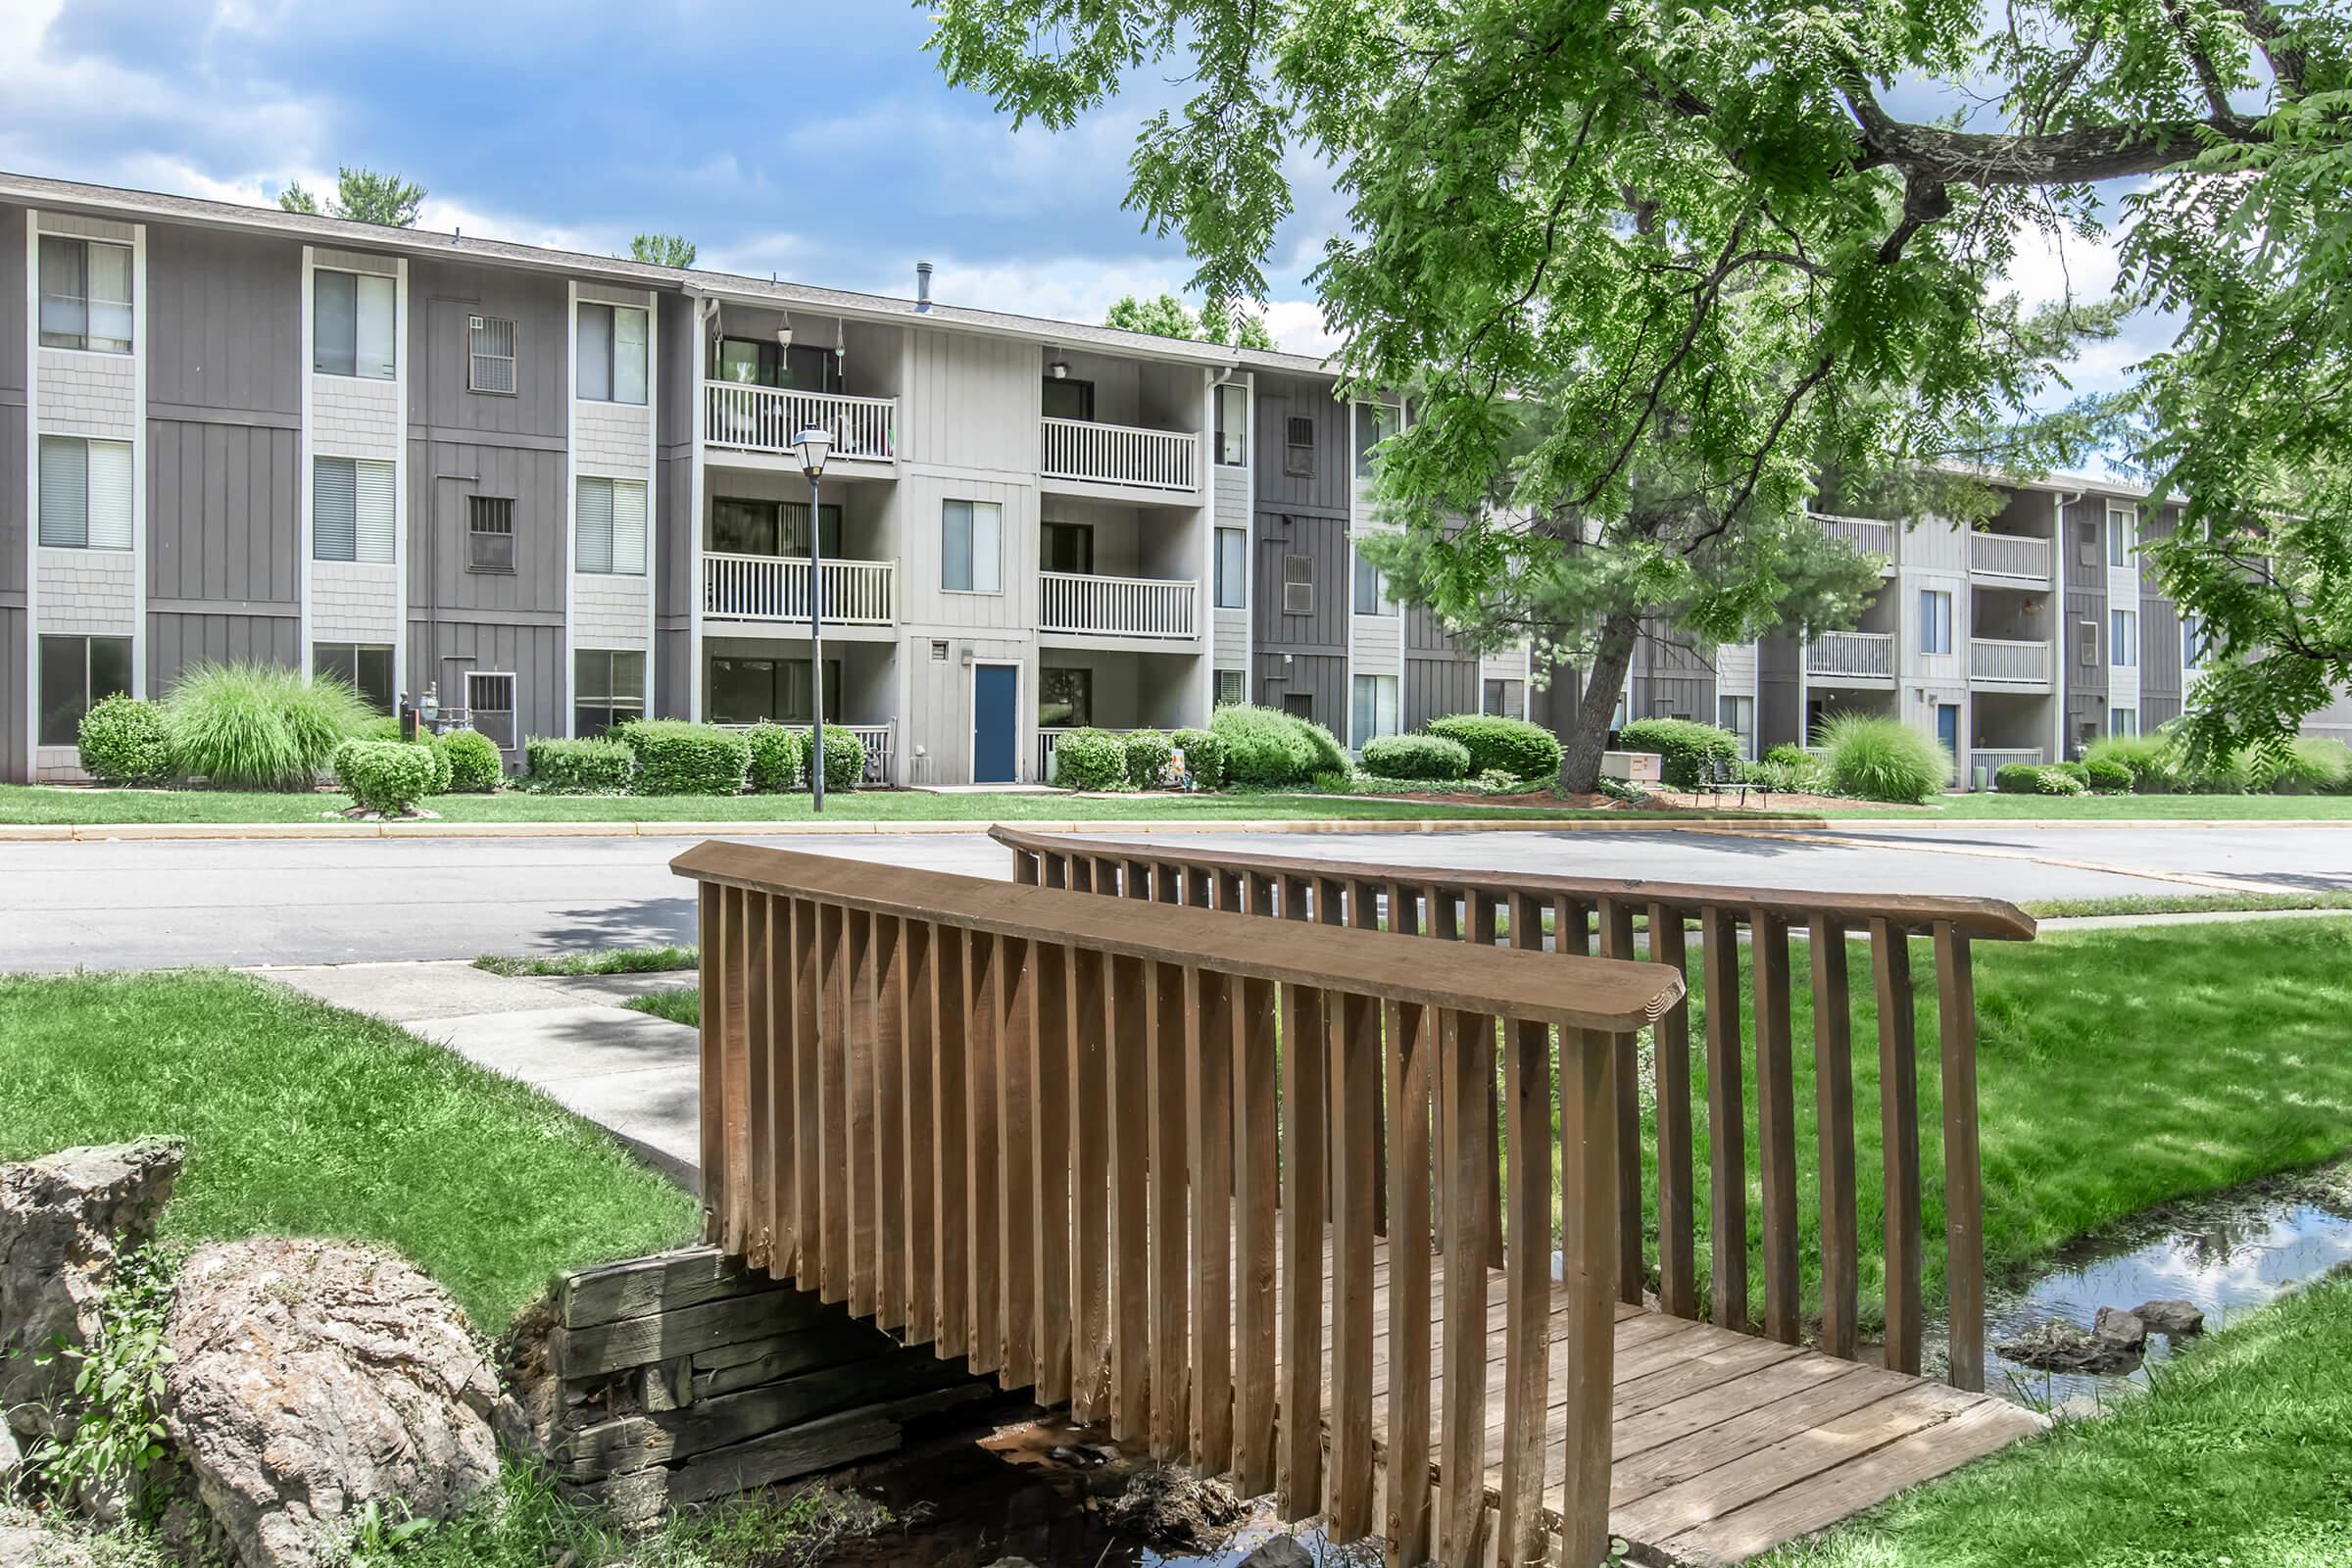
(2080, 156)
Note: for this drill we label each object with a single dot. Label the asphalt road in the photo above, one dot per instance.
(151, 904)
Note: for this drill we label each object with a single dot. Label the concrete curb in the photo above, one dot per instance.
(2138, 823)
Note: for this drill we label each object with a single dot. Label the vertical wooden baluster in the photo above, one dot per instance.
(1678, 1269)
(1575, 916)
(1404, 909)
(1776, 1122)
(1016, 1168)
(735, 1069)
(1481, 910)
(1352, 1040)
(1049, 1084)
(1445, 912)
(1727, 1125)
(1409, 1030)
(1197, 887)
(1963, 1173)
(779, 1111)
(1169, 881)
(1168, 1035)
(951, 1092)
(1468, 1067)
(1129, 1008)
(1054, 870)
(1834, 1129)
(809, 1101)
(1262, 894)
(863, 1040)
(1026, 868)
(1090, 1185)
(983, 966)
(1304, 1205)
(1257, 1234)
(1527, 1322)
(711, 935)
(1138, 879)
(759, 1090)
(1898, 1139)
(833, 1098)
(920, 1054)
(1229, 892)
(1209, 1104)
(1364, 914)
(1617, 942)
(1587, 1249)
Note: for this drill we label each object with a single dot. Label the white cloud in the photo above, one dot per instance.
(2050, 268)
(1297, 327)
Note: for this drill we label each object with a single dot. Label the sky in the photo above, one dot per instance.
(815, 141)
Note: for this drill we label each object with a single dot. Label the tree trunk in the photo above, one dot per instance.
(1605, 683)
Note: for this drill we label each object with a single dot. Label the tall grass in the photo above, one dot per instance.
(1882, 758)
(259, 726)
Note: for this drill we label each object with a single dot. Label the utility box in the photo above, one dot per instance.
(1634, 767)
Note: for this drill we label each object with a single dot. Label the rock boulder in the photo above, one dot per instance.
(314, 1378)
(2173, 1318)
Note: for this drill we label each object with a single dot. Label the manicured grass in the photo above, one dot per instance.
(2182, 904)
(602, 960)
(2241, 1455)
(682, 1005)
(1990, 806)
(305, 1120)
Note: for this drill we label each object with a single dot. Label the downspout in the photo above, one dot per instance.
(2060, 665)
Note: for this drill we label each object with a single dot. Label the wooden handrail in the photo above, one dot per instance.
(1565, 914)
(1119, 1151)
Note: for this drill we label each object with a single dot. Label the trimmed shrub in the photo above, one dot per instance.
(2033, 778)
(1268, 748)
(443, 768)
(1417, 757)
(387, 777)
(677, 758)
(1789, 755)
(259, 726)
(1090, 759)
(559, 766)
(2107, 776)
(1884, 759)
(474, 766)
(1203, 756)
(845, 761)
(382, 727)
(1147, 753)
(779, 758)
(1498, 744)
(2076, 772)
(2154, 761)
(125, 740)
(1687, 751)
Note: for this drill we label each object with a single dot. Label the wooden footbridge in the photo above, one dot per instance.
(1063, 1128)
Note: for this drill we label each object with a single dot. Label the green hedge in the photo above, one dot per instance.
(125, 740)
(1203, 756)
(1687, 751)
(1417, 757)
(779, 758)
(1147, 757)
(1090, 759)
(2033, 778)
(578, 767)
(678, 758)
(1268, 748)
(2107, 776)
(474, 766)
(1498, 744)
(387, 777)
(844, 760)
(443, 768)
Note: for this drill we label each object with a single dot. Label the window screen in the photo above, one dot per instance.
(1298, 585)
(489, 354)
(489, 533)
(607, 688)
(1233, 568)
(365, 667)
(1232, 688)
(85, 295)
(1371, 588)
(351, 515)
(1298, 446)
(595, 352)
(352, 325)
(610, 524)
(970, 544)
(490, 706)
(86, 494)
(1233, 423)
(1375, 708)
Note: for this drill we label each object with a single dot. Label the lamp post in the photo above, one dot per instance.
(814, 444)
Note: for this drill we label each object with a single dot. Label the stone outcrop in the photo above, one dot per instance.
(32, 1541)
(2120, 1330)
(313, 1378)
(64, 1221)
(2058, 1345)
(2172, 1319)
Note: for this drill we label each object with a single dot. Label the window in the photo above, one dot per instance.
(1298, 705)
(350, 509)
(489, 533)
(1375, 422)
(1232, 570)
(745, 691)
(489, 355)
(1233, 423)
(490, 706)
(1371, 587)
(85, 492)
(352, 330)
(1065, 698)
(970, 547)
(85, 295)
(2122, 535)
(1935, 621)
(365, 668)
(608, 688)
(1374, 708)
(611, 528)
(801, 367)
(1233, 689)
(2123, 721)
(2086, 543)
(1298, 585)
(2086, 637)
(1068, 400)
(1739, 715)
(1506, 697)
(1298, 446)
(610, 354)
(741, 528)
(1067, 547)
(2122, 638)
(76, 673)
(2192, 640)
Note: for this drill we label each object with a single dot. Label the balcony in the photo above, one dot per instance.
(1870, 537)
(1992, 759)
(2021, 556)
(1089, 453)
(1865, 658)
(1998, 662)
(765, 419)
(1116, 607)
(857, 593)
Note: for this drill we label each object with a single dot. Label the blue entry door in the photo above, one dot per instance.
(1947, 726)
(995, 723)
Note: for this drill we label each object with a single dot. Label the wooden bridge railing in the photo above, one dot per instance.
(1087, 1146)
(1527, 910)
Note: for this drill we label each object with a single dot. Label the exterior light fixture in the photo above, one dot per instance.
(812, 445)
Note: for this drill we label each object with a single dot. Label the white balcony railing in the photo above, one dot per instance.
(2012, 663)
(1117, 606)
(1992, 759)
(879, 741)
(1862, 654)
(1047, 739)
(1869, 537)
(765, 419)
(2009, 555)
(857, 593)
(1118, 453)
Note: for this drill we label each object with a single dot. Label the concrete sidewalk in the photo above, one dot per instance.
(637, 1076)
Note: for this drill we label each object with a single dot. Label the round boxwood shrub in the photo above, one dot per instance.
(779, 758)
(1265, 747)
(474, 766)
(1417, 757)
(443, 768)
(1687, 751)
(559, 766)
(1498, 744)
(1882, 759)
(1203, 756)
(1090, 759)
(844, 760)
(678, 758)
(259, 726)
(2034, 778)
(124, 740)
(1147, 752)
(2107, 776)
(386, 777)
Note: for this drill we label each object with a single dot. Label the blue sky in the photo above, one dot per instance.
(816, 141)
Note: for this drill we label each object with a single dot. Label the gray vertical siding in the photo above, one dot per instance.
(1780, 710)
(1322, 676)
(1440, 678)
(674, 522)
(222, 513)
(2161, 681)
(1330, 487)
(1304, 516)
(224, 324)
(2085, 547)
(16, 694)
(178, 640)
(14, 697)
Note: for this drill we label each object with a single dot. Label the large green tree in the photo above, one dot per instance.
(1169, 316)
(662, 250)
(362, 195)
(1719, 246)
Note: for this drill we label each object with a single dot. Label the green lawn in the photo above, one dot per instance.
(305, 1120)
(2241, 1455)
(682, 1005)
(1992, 807)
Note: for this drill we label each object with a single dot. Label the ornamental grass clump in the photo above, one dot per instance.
(259, 726)
(1882, 759)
